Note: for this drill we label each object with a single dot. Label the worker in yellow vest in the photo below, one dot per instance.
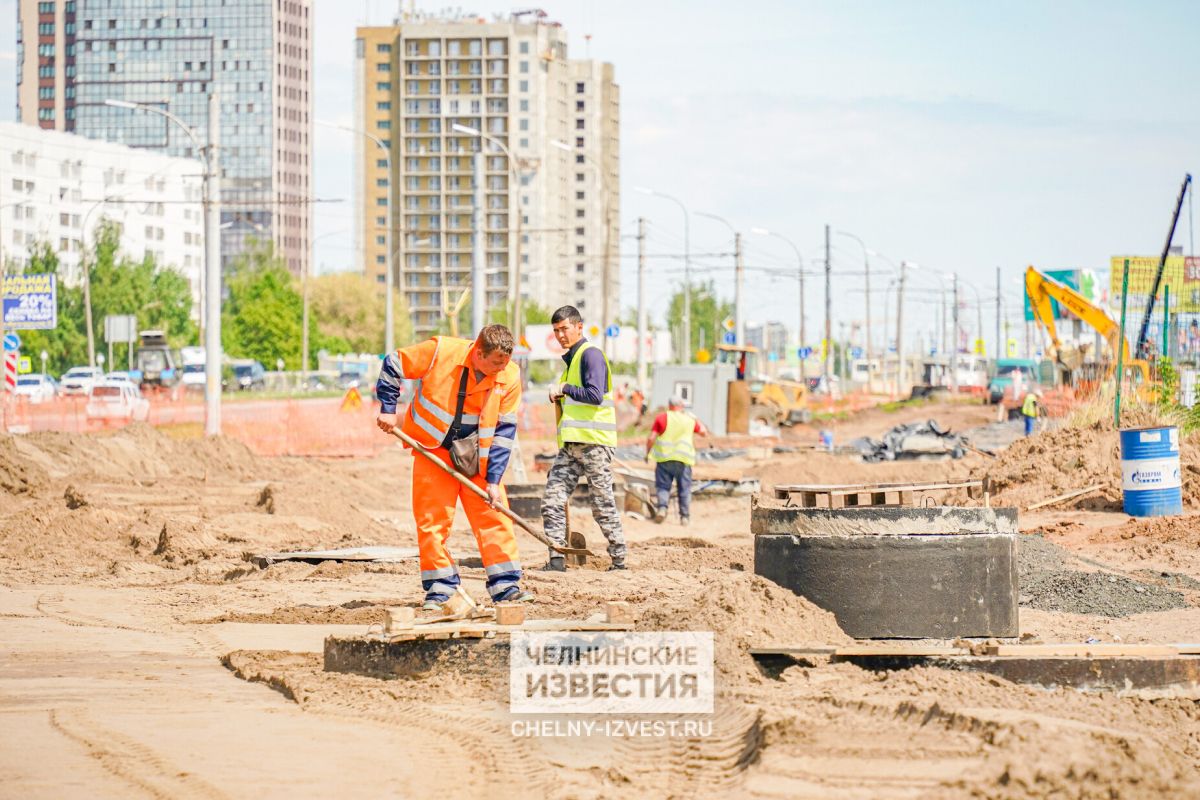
(672, 445)
(1030, 410)
(587, 439)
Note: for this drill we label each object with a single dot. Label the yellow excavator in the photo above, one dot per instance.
(1041, 289)
(777, 402)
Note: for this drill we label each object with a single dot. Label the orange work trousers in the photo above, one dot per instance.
(435, 496)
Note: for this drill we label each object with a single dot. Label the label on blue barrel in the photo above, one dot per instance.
(1150, 436)
(1157, 473)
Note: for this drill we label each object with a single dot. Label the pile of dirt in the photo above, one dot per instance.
(18, 474)
(744, 610)
(1048, 584)
(354, 612)
(1065, 459)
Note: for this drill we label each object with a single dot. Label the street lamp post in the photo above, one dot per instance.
(687, 271)
(389, 284)
(800, 275)
(738, 312)
(867, 293)
(212, 249)
(515, 194)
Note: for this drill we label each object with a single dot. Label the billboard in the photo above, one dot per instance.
(30, 302)
(1067, 277)
(1181, 274)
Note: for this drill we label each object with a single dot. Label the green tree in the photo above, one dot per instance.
(708, 311)
(160, 297)
(261, 317)
(533, 313)
(350, 314)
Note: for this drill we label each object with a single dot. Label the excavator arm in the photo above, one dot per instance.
(1042, 290)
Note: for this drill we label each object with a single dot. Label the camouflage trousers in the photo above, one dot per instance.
(594, 462)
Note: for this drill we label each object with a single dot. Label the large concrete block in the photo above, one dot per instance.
(773, 517)
(908, 586)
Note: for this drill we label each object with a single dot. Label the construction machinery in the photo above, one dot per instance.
(1041, 290)
(774, 401)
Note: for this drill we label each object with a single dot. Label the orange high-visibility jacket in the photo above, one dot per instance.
(491, 404)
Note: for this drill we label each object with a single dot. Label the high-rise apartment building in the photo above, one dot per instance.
(511, 80)
(73, 55)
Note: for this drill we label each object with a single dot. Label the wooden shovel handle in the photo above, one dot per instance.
(467, 482)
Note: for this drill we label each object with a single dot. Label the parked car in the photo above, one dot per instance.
(119, 376)
(117, 400)
(194, 377)
(80, 380)
(38, 388)
(245, 376)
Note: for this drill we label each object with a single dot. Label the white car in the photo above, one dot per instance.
(120, 376)
(117, 400)
(194, 377)
(80, 380)
(38, 388)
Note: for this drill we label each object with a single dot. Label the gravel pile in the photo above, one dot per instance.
(1047, 584)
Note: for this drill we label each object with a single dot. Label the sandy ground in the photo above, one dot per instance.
(145, 655)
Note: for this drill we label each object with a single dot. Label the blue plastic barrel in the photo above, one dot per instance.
(1150, 478)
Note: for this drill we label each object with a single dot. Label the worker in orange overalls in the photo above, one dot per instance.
(481, 377)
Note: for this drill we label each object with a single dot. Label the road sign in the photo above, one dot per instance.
(856, 352)
(10, 371)
(24, 365)
(12, 342)
(30, 302)
(703, 356)
(804, 352)
(729, 338)
(772, 356)
(593, 330)
(728, 323)
(612, 331)
(120, 328)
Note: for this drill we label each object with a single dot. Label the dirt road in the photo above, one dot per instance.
(144, 655)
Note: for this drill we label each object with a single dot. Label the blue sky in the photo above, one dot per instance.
(958, 135)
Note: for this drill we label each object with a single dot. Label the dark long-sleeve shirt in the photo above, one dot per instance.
(593, 374)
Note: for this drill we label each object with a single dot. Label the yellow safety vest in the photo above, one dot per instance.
(1029, 407)
(585, 423)
(677, 442)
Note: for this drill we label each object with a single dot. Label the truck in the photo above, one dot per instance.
(158, 366)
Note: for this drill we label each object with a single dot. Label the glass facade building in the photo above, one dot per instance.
(171, 54)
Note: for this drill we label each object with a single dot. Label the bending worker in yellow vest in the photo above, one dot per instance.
(587, 439)
(672, 445)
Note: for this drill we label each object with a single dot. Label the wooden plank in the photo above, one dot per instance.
(1099, 649)
(906, 498)
(1064, 497)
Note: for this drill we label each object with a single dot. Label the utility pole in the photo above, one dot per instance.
(954, 338)
(641, 306)
(212, 272)
(739, 313)
(867, 279)
(478, 268)
(828, 317)
(999, 313)
(900, 331)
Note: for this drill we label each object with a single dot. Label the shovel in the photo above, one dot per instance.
(467, 482)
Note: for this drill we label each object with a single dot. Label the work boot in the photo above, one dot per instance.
(660, 514)
(615, 566)
(556, 564)
(432, 604)
(514, 594)
(685, 521)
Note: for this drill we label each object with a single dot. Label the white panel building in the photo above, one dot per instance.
(57, 188)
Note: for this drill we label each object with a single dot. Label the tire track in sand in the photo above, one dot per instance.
(130, 760)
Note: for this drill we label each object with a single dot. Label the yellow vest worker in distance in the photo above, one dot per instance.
(587, 439)
(1030, 409)
(672, 445)
(493, 394)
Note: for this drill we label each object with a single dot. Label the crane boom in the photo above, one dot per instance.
(1158, 274)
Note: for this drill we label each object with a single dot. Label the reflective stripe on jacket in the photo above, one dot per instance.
(583, 422)
(677, 442)
(490, 407)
